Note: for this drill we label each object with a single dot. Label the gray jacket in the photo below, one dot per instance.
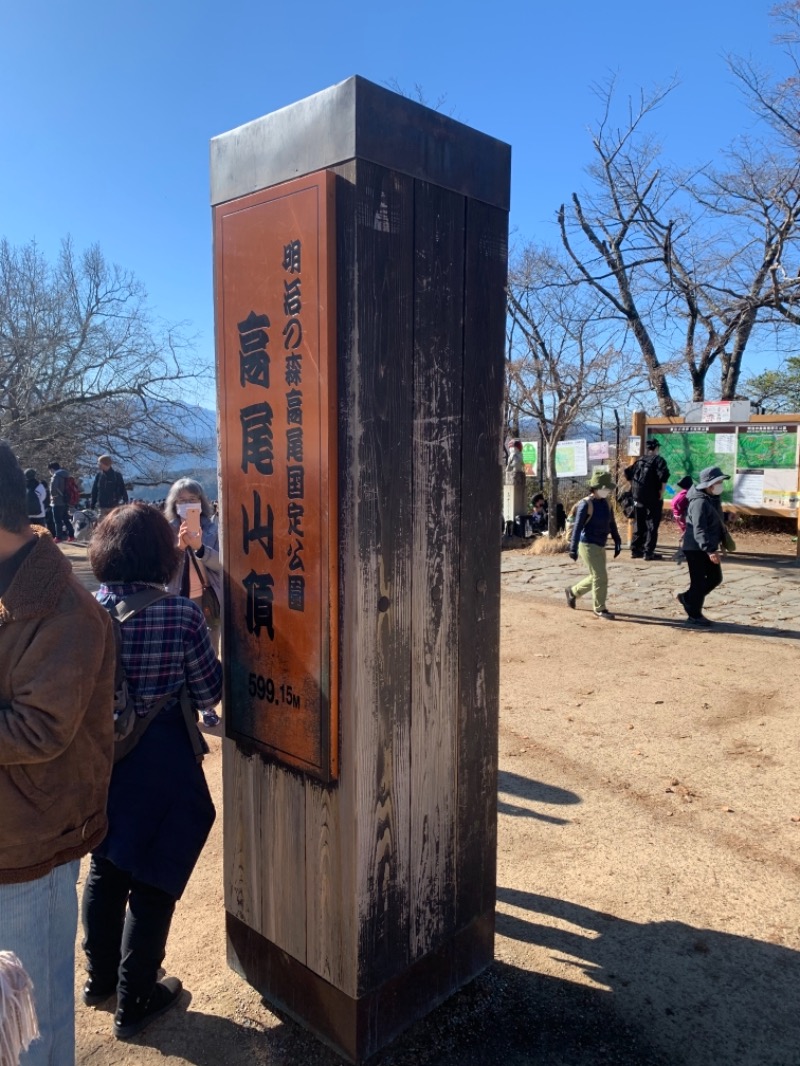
(705, 525)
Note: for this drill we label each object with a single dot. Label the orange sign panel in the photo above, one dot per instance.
(274, 257)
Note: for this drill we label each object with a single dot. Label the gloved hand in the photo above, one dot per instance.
(617, 548)
(573, 556)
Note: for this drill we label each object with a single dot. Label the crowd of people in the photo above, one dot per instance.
(698, 513)
(69, 786)
(696, 507)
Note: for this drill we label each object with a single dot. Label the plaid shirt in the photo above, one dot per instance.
(164, 645)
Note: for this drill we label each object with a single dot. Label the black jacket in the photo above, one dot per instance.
(648, 476)
(108, 489)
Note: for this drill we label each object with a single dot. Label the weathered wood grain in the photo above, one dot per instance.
(479, 577)
(436, 496)
(376, 564)
(241, 835)
(331, 812)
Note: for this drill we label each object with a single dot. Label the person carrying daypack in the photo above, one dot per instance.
(594, 520)
(648, 476)
(159, 808)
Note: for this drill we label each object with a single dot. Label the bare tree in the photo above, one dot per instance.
(563, 363)
(605, 235)
(83, 360)
(694, 265)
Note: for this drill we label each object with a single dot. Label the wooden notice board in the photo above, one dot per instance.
(274, 254)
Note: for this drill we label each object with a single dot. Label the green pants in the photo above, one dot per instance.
(597, 580)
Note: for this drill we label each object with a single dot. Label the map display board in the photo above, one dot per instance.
(760, 459)
(571, 459)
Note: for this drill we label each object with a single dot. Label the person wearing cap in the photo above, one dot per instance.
(594, 520)
(648, 476)
(705, 532)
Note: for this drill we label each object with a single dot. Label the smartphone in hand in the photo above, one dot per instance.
(193, 517)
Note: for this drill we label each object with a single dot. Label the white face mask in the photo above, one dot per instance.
(716, 490)
(182, 509)
(602, 493)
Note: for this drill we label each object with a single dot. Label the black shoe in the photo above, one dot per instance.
(128, 1021)
(655, 556)
(679, 596)
(606, 616)
(94, 992)
(570, 597)
(700, 621)
(635, 556)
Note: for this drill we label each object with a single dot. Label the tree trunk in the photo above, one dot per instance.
(552, 489)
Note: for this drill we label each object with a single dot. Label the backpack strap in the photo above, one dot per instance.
(121, 612)
(135, 603)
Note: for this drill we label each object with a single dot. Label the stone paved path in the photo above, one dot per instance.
(760, 595)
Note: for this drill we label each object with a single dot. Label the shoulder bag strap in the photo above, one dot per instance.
(201, 570)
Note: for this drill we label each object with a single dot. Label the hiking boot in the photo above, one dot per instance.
(130, 1020)
(570, 598)
(95, 992)
(607, 616)
(700, 621)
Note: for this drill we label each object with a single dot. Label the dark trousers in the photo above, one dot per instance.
(646, 520)
(704, 576)
(61, 522)
(126, 925)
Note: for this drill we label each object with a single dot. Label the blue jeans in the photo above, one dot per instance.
(39, 922)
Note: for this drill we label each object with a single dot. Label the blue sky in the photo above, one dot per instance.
(107, 108)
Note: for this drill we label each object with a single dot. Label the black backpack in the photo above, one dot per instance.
(645, 483)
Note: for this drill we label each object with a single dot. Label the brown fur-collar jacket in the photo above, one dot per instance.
(57, 663)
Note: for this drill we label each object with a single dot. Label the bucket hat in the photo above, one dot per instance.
(601, 479)
(710, 476)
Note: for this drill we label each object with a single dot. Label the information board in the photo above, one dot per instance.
(571, 459)
(761, 460)
(274, 280)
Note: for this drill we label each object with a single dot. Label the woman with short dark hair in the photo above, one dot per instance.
(159, 808)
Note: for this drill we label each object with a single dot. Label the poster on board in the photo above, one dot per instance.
(530, 456)
(571, 459)
(598, 450)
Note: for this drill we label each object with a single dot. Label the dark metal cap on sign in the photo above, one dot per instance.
(357, 119)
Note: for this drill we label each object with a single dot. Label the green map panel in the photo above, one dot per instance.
(689, 453)
(766, 451)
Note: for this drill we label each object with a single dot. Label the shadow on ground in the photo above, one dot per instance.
(528, 788)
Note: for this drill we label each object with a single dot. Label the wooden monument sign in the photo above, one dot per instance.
(360, 245)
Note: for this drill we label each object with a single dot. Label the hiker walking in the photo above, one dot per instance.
(705, 533)
(594, 520)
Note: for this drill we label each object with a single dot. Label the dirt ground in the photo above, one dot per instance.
(648, 902)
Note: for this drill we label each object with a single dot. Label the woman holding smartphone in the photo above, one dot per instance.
(188, 511)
